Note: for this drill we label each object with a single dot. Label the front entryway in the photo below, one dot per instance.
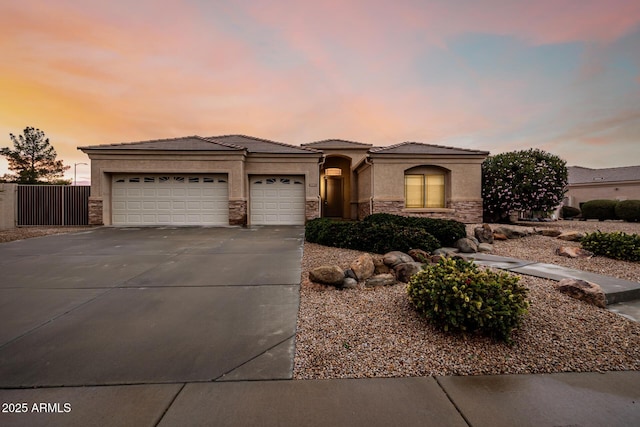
(333, 198)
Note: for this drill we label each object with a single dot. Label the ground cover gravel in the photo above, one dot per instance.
(375, 332)
(21, 233)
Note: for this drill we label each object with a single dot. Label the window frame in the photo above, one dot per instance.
(424, 191)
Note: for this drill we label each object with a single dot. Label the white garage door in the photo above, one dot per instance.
(278, 200)
(170, 200)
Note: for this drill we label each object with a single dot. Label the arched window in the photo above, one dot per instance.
(424, 187)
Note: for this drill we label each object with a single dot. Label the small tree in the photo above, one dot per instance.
(33, 159)
(522, 180)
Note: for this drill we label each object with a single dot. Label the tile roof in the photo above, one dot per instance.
(329, 144)
(581, 175)
(259, 145)
(187, 143)
(421, 148)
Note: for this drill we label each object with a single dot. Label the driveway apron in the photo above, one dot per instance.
(116, 306)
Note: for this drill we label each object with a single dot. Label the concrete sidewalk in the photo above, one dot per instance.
(565, 399)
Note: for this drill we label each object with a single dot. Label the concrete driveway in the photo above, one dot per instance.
(125, 306)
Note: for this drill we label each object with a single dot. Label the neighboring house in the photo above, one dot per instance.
(586, 184)
(242, 180)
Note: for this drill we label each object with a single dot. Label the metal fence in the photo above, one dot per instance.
(53, 205)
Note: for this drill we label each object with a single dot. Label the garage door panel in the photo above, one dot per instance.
(277, 200)
(170, 199)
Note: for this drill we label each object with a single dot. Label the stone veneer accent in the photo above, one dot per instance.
(312, 208)
(363, 210)
(237, 212)
(469, 211)
(95, 211)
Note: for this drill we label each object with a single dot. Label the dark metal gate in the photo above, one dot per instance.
(53, 205)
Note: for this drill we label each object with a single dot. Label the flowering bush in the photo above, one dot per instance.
(522, 180)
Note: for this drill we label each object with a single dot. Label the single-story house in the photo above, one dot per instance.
(584, 184)
(242, 180)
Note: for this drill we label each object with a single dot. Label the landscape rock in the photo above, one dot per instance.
(406, 270)
(550, 232)
(571, 236)
(394, 258)
(467, 245)
(327, 274)
(573, 252)
(484, 234)
(447, 252)
(485, 248)
(380, 280)
(379, 265)
(499, 236)
(419, 255)
(348, 273)
(511, 233)
(588, 292)
(349, 283)
(363, 267)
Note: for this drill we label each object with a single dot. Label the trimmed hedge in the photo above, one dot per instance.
(570, 212)
(628, 210)
(379, 234)
(617, 245)
(599, 209)
(456, 295)
(447, 231)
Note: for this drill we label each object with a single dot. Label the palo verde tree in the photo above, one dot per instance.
(522, 180)
(32, 159)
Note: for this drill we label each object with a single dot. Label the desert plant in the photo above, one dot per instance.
(456, 295)
(570, 212)
(447, 231)
(617, 245)
(599, 209)
(628, 210)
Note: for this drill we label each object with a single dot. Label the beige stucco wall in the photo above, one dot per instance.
(464, 179)
(8, 199)
(580, 193)
(237, 166)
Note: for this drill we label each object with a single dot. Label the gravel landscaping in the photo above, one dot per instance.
(22, 233)
(375, 332)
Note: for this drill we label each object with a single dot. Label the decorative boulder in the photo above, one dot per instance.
(363, 267)
(484, 234)
(380, 280)
(327, 274)
(499, 236)
(573, 252)
(348, 273)
(446, 252)
(406, 270)
(380, 266)
(349, 283)
(511, 233)
(467, 245)
(588, 292)
(419, 255)
(485, 248)
(550, 232)
(571, 236)
(394, 258)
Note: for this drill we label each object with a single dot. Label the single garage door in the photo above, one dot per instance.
(278, 200)
(170, 200)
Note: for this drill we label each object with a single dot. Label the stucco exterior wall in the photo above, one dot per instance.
(8, 200)
(580, 193)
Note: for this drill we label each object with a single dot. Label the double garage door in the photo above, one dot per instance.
(155, 199)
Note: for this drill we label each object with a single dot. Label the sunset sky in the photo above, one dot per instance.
(496, 75)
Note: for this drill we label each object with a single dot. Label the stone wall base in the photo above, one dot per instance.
(95, 211)
(364, 209)
(237, 212)
(312, 209)
(469, 212)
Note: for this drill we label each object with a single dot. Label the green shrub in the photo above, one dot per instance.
(599, 209)
(617, 245)
(369, 236)
(628, 210)
(447, 231)
(456, 295)
(570, 212)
